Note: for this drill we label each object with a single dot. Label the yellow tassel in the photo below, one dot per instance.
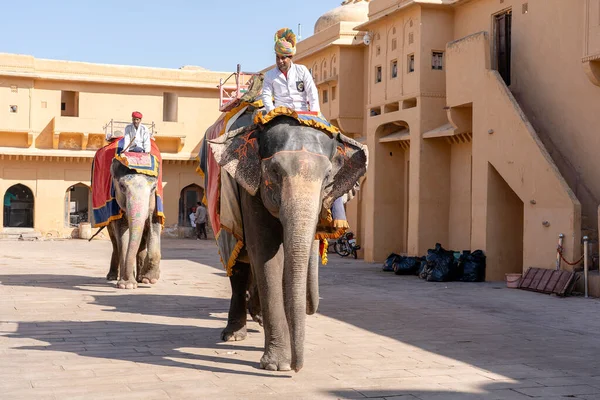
(324, 255)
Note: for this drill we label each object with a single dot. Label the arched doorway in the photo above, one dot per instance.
(77, 205)
(18, 207)
(391, 161)
(188, 199)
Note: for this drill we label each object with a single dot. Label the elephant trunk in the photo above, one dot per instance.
(300, 206)
(137, 216)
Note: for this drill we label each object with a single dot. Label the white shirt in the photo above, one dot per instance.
(297, 92)
(141, 137)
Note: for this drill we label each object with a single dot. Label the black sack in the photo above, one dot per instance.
(407, 265)
(388, 265)
(472, 266)
(441, 266)
(421, 271)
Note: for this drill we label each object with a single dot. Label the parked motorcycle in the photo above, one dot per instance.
(346, 245)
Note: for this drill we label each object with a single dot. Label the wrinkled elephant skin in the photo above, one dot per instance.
(290, 173)
(136, 235)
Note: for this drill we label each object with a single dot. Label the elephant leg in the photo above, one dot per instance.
(236, 320)
(142, 256)
(113, 272)
(312, 283)
(125, 274)
(151, 271)
(253, 301)
(264, 237)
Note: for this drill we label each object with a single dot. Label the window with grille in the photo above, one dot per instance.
(437, 60)
(325, 96)
(378, 74)
(394, 69)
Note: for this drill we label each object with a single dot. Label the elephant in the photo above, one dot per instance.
(290, 175)
(135, 236)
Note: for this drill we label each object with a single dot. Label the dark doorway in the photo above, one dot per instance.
(18, 207)
(77, 205)
(502, 31)
(189, 198)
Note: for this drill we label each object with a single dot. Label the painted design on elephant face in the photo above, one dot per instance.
(248, 142)
(343, 150)
(268, 185)
(306, 165)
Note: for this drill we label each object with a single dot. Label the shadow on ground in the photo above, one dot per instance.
(156, 344)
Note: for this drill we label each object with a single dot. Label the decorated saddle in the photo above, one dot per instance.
(104, 203)
(222, 191)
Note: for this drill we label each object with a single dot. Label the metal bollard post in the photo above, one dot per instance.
(558, 250)
(586, 266)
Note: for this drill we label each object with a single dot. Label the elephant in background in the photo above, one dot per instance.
(291, 175)
(136, 235)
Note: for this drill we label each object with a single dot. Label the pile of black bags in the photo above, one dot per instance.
(440, 265)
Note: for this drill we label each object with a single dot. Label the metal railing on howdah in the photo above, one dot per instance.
(230, 91)
(118, 127)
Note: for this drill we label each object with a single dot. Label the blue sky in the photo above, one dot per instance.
(215, 34)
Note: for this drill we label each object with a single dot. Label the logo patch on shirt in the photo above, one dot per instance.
(300, 86)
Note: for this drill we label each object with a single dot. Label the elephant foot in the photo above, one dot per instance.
(112, 276)
(147, 280)
(257, 318)
(272, 361)
(127, 284)
(234, 333)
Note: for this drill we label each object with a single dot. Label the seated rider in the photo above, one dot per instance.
(291, 85)
(137, 136)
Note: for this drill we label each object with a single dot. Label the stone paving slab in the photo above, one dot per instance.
(67, 333)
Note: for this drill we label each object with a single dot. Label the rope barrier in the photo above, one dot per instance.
(560, 252)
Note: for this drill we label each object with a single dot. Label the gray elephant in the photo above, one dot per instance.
(136, 235)
(291, 175)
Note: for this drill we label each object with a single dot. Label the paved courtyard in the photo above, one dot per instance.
(65, 333)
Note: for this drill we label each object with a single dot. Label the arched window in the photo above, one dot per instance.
(188, 200)
(77, 205)
(18, 207)
(315, 72)
(334, 66)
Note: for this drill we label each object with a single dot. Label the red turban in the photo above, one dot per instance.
(136, 114)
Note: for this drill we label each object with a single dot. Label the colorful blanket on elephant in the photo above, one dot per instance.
(309, 118)
(221, 194)
(104, 203)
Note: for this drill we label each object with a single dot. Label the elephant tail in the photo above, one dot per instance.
(96, 234)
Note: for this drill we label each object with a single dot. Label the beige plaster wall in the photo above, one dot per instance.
(549, 82)
(49, 180)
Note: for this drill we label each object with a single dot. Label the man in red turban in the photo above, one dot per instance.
(138, 134)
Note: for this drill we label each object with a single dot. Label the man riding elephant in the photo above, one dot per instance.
(127, 199)
(271, 180)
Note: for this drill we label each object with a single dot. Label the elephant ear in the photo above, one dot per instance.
(349, 165)
(237, 152)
